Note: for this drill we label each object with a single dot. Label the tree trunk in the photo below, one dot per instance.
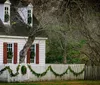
(64, 57)
(27, 45)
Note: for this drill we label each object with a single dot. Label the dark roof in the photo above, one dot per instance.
(2, 28)
(18, 27)
(23, 3)
(2, 1)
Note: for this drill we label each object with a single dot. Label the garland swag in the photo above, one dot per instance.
(56, 74)
(10, 71)
(41, 74)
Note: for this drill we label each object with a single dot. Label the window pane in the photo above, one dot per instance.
(29, 11)
(10, 45)
(28, 15)
(10, 50)
(6, 16)
(9, 60)
(32, 54)
(7, 8)
(32, 60)
(29, 19)
(9, 53)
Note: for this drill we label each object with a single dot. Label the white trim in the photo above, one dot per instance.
(7, 2)
(12, 52)
(35, 54)
(22, 37)
(41, 38)
(30, 5)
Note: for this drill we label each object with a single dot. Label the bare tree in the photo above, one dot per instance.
(32, 31)
(71, 15)
(90, 29)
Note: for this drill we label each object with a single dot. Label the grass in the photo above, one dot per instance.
(56, 83)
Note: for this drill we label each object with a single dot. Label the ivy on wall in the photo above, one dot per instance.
(42, 74)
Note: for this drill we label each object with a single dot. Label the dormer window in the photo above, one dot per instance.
(29, 17)
(30, 14)
(6, 15)
(26, 12)
(7, 12)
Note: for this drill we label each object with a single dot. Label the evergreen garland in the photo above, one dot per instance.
(41, 74)
(10, 71)
(2, 70)
(38, 74)
(56, 74)
(74, 73)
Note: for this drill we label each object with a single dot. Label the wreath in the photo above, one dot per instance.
(23, 70)
(6, 17)
(29, 20)
(32, 54)
(9, 55)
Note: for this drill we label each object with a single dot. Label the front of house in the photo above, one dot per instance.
(15, 23)
(10, 46)
(14, 32)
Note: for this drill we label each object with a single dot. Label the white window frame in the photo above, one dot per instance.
(7, 4)
(34, 56)
(12, 53)
(30, 7)
(29, 15)
(6, 11)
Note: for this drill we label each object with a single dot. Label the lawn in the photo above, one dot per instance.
(57, 83)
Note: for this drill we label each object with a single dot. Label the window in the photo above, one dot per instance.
(6, 16)
(29, 17)
(32, 54)
(9, 52)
